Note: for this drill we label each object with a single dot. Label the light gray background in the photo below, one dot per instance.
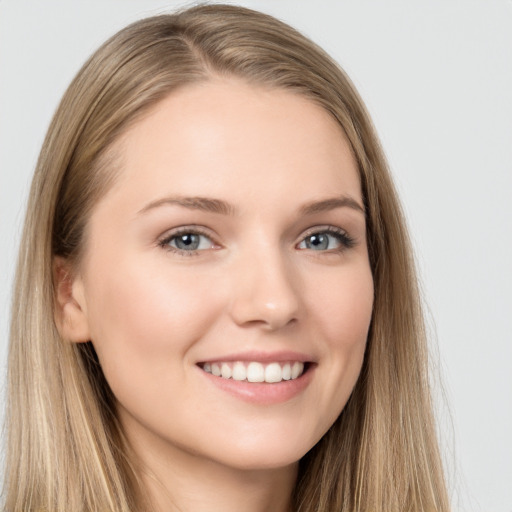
(437, 78)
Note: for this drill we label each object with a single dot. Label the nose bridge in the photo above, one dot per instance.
(264, 287)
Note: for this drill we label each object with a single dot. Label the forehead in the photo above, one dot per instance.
(226, 138)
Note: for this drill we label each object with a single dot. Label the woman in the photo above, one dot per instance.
(216, 304)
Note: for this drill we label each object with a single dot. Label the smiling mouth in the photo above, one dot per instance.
(253, 371)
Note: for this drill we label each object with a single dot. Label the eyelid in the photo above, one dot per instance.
(323, 228)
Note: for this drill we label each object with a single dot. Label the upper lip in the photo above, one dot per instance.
(261, 357)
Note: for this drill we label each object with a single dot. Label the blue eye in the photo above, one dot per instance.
(187, 241)
(327, 240)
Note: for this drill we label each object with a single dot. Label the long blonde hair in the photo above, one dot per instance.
(65, 450)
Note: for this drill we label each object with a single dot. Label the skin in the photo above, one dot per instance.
(153, 313)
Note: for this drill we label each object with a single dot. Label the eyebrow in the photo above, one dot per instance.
(205, 204)
(331, 204)
(211, 205)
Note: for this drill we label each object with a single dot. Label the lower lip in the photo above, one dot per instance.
(260, 392)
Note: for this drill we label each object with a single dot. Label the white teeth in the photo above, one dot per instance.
(225, 371)
(255, 372)
(239, 372)
(273, 373)
(297, 369)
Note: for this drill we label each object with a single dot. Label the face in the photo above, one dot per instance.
(225, 282)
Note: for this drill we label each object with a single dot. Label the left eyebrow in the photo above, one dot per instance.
(331, 204)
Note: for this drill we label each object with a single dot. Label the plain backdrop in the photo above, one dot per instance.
(437, 79)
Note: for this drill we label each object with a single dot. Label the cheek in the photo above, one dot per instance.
(343, 314)
(344, 308)
(143, 318)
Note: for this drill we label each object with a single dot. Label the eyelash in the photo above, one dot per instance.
(344, 239)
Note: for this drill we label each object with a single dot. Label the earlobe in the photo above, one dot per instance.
(70, 311)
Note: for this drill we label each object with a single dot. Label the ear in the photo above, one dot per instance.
(70, 306)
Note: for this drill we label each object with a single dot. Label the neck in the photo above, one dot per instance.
(221, 491)
(178, 481)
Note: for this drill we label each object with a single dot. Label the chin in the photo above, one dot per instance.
(257, 462)
(277, 452)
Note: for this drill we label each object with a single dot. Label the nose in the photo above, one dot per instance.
(264, 292)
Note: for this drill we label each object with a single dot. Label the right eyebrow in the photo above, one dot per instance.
(205, 204)
(331, 204)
